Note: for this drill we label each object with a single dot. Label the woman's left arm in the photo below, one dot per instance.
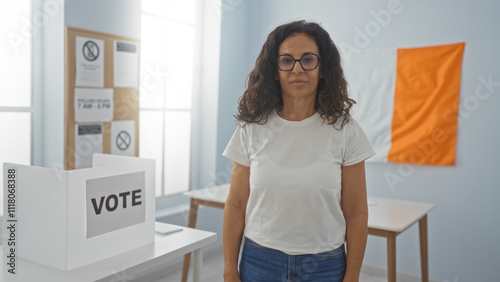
(355, 208)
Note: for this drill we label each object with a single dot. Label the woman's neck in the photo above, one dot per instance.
(296, 112)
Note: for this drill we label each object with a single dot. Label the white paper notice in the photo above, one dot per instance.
(88, 140)
(89, 62)
(93, 104)
(126, 64)
(123, 137)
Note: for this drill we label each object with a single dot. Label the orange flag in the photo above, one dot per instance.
(408, 101)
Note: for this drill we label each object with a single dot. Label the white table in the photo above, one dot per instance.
(387, 218)
(122, 266)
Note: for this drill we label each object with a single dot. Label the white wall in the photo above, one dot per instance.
(464, 226)
(205, 131)
(234, 67)
(51, 77)
(117, 17)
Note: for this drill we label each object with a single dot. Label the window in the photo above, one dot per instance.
(17, 110)
(168, 80)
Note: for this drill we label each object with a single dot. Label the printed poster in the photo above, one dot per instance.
(89, 62)
(88, 140)
(126, 64)
(123, 137)
(93, 104)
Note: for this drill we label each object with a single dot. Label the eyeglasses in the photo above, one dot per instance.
(307, 62)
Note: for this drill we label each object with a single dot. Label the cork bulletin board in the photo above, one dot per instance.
(124, 104)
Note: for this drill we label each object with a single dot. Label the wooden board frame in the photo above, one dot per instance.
(126, 100)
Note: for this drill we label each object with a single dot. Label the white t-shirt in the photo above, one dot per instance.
(295, 180)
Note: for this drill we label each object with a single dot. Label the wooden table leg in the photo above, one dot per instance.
(422, 226)
(193, 212)
(197, 265)
(391, 257)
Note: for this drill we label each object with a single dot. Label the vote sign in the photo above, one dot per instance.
(115, 202)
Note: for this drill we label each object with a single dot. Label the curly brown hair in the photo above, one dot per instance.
(263, 91)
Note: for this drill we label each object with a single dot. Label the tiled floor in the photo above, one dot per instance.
(213, 267)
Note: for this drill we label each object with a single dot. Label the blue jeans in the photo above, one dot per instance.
(259, 263)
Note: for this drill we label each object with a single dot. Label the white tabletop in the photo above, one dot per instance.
(217, 194)
(119, 267)
(395, 215)
(385, 214)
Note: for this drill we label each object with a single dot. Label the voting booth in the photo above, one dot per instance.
(67, 219)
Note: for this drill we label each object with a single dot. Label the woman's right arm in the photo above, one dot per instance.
(234, 219)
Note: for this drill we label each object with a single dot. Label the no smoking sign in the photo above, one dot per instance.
(123, 140)
(90, 51)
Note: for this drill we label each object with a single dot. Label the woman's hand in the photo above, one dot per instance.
(231, 276)
(348, 278)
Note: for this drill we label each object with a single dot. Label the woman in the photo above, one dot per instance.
(298, 189)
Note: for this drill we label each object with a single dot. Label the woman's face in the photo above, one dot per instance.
(299, 83)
